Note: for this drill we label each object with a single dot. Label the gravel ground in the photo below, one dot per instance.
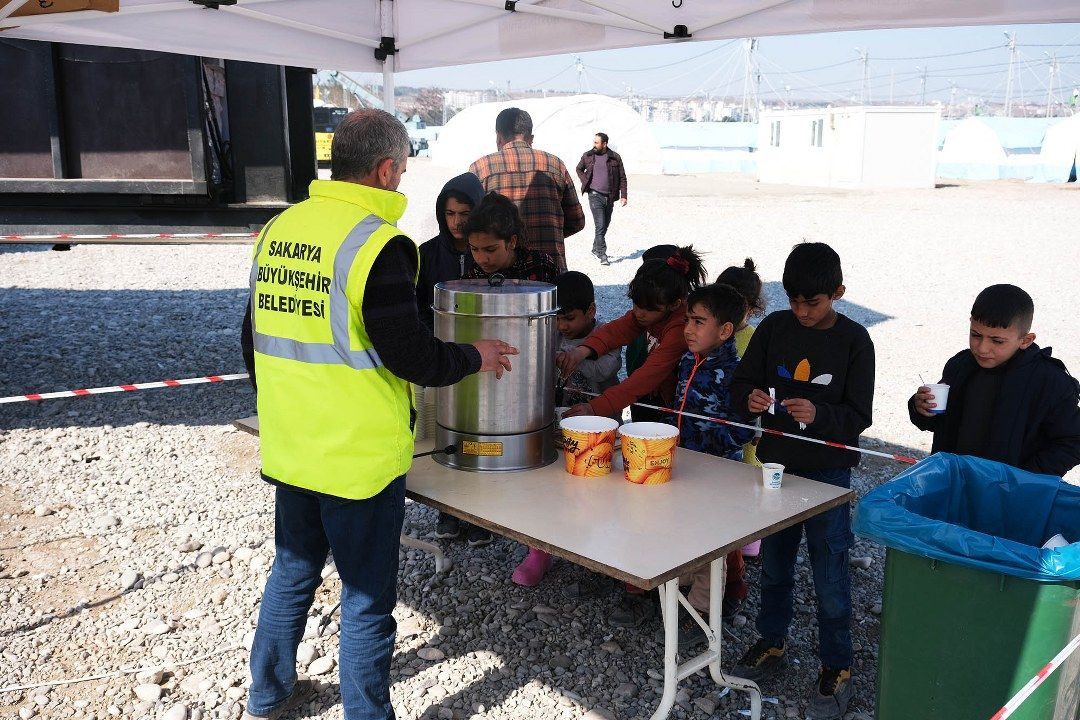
(136, 532)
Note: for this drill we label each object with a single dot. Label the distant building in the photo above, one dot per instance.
(860, 146)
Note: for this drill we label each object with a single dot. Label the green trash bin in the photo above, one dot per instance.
(957, 643)
(973, 605)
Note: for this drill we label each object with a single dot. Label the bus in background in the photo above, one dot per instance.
(327, 118)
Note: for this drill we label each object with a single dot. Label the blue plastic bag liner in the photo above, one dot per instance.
(977, 513)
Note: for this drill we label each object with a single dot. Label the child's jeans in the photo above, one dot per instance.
(828, 538)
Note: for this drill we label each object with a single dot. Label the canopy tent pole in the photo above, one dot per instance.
(388, 84)
(386, 52)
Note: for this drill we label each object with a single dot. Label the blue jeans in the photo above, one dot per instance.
(828, 539)
(364, 536)
(601, 206)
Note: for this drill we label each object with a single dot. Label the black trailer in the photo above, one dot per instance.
(103, 140)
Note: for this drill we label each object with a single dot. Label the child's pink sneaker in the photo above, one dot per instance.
(531, 570)
(752, 550)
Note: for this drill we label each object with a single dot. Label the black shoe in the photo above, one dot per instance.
(591, 585)
(633, 609)
(760, 661)
(604, 260)
(832, 695)
(478, 536)
(448, 527)
(730, 608)
(690, 633)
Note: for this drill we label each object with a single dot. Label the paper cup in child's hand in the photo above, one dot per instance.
(648, 451)
(940, 393)
(588, 444)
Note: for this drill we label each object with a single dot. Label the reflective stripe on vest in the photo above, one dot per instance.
(339, 352)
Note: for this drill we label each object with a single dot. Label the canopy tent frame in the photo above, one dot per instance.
(390, 36)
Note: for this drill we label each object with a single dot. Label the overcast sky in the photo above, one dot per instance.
(819, 67)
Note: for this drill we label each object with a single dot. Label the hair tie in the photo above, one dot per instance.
(679, 264)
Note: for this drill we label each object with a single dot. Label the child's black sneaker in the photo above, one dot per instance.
(478, 536)
(763, 659)
(633, 610)
(730, 608)
(448, 527)
(690, 633)
(832, 695)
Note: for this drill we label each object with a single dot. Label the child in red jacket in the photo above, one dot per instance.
(658, 291)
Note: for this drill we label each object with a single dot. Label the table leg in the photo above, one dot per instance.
(669, 608)
(670, 599)
(717, 571)
(442, 564)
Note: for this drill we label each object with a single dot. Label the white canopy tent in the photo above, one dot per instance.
(395, 35)
(563, 125)
(1059, 158)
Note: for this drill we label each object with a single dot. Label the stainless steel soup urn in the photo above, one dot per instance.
(504, 424)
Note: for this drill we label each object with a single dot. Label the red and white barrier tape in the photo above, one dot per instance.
(1035, 682)
(31, 397)
(131, 236)
(770, 431)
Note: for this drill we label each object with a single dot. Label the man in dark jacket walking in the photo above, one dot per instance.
(603, 177)
(446, 256)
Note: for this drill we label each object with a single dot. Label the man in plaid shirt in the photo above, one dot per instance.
(536, 181)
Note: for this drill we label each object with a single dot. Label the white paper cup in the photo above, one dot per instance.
(940, 391)
(772, 475)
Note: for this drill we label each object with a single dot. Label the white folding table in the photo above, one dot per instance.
(644, 535)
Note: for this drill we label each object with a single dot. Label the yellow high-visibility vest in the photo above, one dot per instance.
(331, 418)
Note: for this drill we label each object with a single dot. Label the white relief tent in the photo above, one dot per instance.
(562, 125)
(395, 35)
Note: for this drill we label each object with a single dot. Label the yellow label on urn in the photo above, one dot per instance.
(482, 449)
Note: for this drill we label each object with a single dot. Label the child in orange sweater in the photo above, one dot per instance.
(658, 291)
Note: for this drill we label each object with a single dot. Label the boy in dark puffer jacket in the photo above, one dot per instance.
(1009, 400)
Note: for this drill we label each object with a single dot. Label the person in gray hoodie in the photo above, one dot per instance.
(446, 256)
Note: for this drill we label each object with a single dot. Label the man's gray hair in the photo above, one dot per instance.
(364, 139)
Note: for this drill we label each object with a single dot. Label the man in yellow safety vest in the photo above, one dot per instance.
(337, 339)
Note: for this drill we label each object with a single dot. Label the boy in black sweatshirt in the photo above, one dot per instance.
(809, 371)
(1009, 400)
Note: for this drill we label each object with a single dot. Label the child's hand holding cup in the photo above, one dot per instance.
(932, 399)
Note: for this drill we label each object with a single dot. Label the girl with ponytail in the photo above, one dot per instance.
(658, 291)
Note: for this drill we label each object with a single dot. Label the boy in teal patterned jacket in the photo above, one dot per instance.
(704, 377)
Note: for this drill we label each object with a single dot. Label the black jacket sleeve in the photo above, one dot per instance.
(949, 375)
(854, 414)
(404, 343)
(247, 345)
(1059, 435)
(921, 421)
(425, 292)
(750, 372)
